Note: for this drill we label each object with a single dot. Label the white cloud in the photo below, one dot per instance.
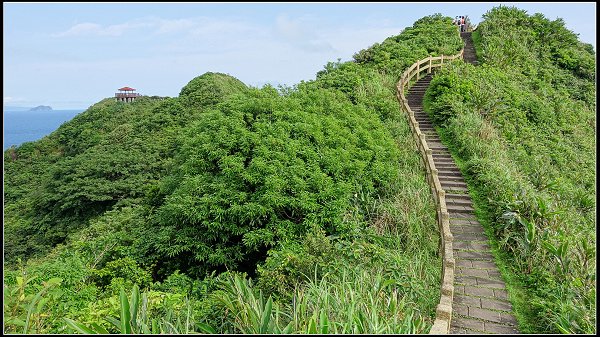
(204, 26)
(79, 29)
(9, 99)
(94, 29)
(302, 33)
(120, 29)
(171, 26)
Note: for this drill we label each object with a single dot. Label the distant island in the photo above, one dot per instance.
(41, 108)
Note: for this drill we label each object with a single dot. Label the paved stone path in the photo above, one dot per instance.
(480, 303)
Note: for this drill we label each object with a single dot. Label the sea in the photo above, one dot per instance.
(26, 126)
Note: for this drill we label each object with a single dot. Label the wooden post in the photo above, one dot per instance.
(418, 70)
(429, 70)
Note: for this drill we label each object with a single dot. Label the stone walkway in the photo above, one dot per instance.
(480, 303)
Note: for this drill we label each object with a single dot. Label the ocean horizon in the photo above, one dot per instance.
(26, 126)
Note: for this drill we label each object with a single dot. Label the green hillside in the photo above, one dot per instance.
(523, 126)
(305, 209)
(231, 209)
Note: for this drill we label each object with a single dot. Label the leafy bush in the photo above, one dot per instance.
(209, 89)
(264, 168)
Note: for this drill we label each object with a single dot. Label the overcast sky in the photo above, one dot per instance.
(70, 56)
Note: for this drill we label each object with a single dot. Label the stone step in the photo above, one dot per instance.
(458, 196)
(445, 156)
(456, 177)
(490, 275)
(480, 327)
(449, 173)
(462, 216)
(444, 159)
(498, 294)
(453, 183)
(457, 208)
(433, 143)
(451, 179)
(468, 241)
(479, 265)
(463, 222)
(467, 228)
(454, 188)
(446, 164)
(468, 255)
(458, 202)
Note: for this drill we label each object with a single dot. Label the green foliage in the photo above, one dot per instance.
(356, 302)
(26, 312)
(135, 318)
(311, 189)
(122, 270)
(431, 35)
(523, 123)
(209, 89)
(264, 168)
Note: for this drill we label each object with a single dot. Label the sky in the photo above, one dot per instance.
(72, 55)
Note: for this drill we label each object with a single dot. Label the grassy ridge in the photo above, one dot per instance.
(234, 209)
(523, 124)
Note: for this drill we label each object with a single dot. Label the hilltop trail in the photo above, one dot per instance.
(480, 302)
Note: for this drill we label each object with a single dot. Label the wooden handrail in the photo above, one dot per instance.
(441, 324)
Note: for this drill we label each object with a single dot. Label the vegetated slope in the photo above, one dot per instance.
(524, 124)
(305, 189)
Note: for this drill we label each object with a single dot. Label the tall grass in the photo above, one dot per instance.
(355, 301)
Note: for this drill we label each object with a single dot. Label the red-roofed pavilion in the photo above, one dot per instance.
(126, 94)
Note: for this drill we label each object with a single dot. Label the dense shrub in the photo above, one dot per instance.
(263, 168)
(209, 89)
(431, 35)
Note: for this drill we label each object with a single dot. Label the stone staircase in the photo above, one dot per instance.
(469, 55)
(480, 302)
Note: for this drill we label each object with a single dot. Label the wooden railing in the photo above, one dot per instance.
(441, 324)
